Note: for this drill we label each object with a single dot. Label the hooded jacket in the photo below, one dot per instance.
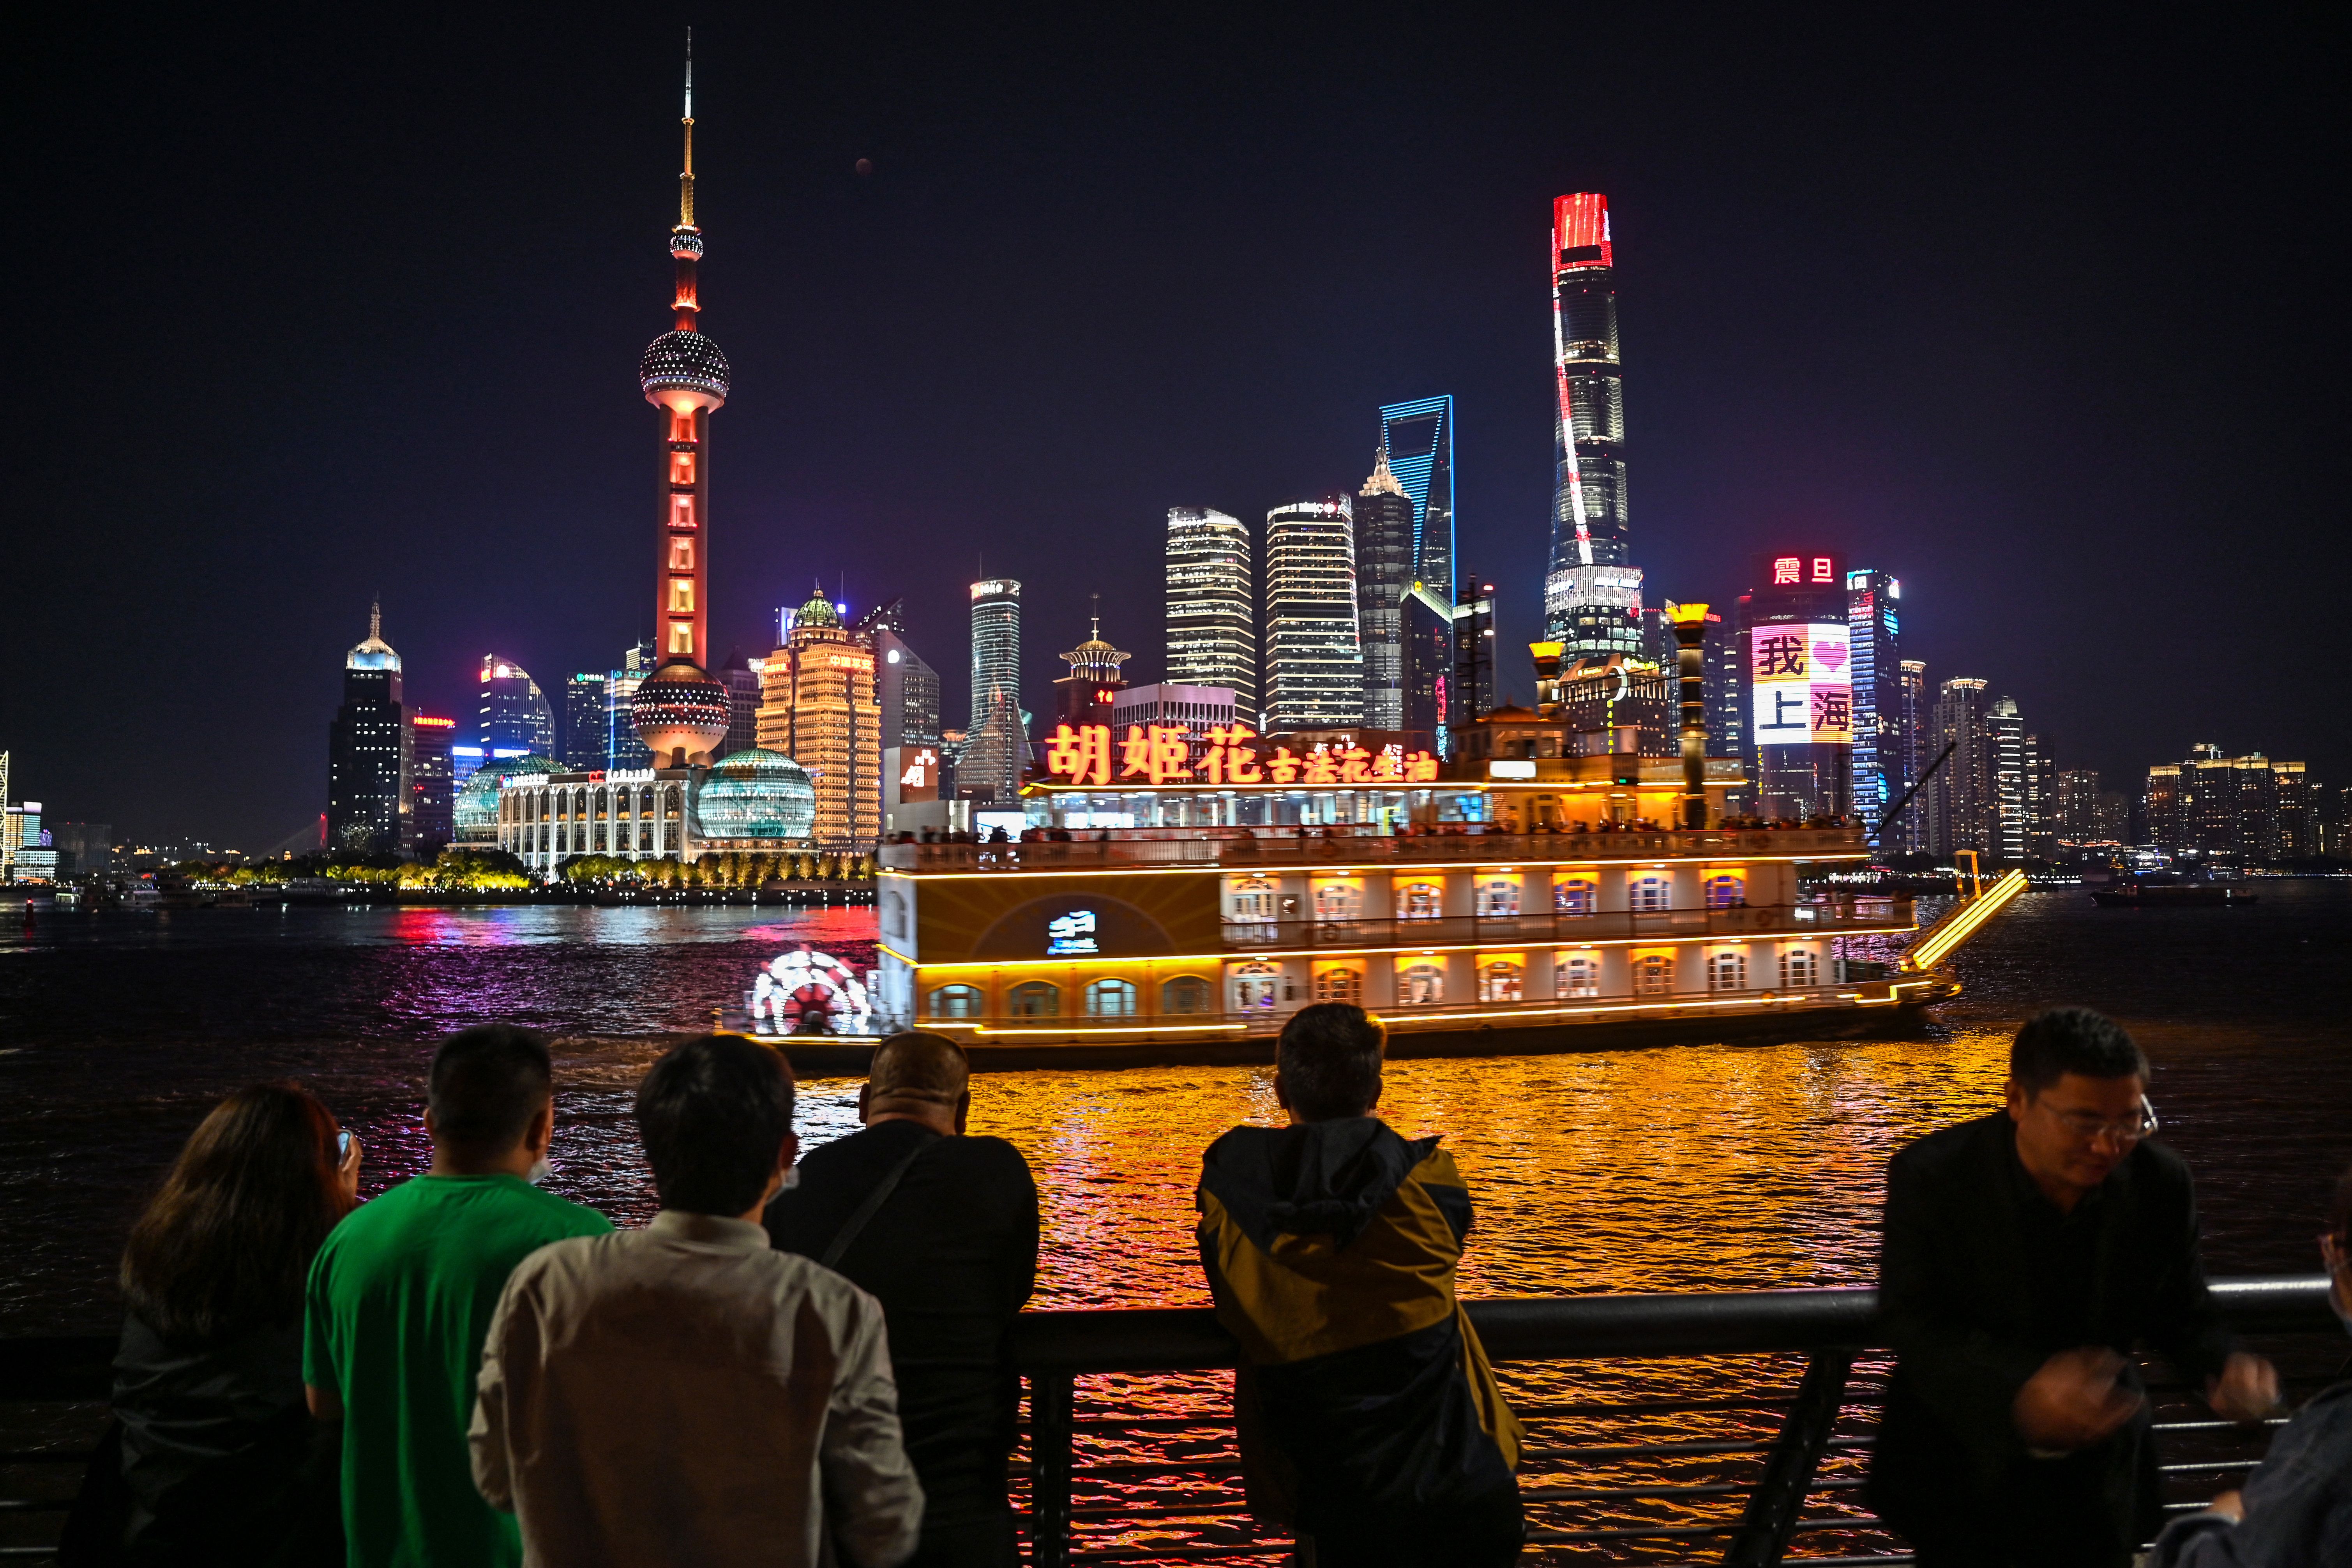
(1330, 1250)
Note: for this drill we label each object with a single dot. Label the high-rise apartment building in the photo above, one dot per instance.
(1314, 659)
(1212, 609)
(2254, 808)
(1385, 566)
(516, 721)
(2078, 807)
(368, 809)
(2005, 729)
(1592, 591)
(1418, 437)
(2298, 816)
(1962, 811)
(818, 708)
(586, 702)
(432, 783)
(2040, 782)
(1909, 831)
(996, 741)
(742, 678)
(1874, 630)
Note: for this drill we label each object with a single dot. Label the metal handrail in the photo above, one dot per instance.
(1827, 916)
(1225, 846)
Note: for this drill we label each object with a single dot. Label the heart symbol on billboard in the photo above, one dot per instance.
(1829, 656)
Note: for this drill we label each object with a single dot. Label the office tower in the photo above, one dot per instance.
(1086, 695)
(1474, 694)
(1917, 725)
(2078, 807)
(585, 702)
(996, 744)
(515, 718)
(1801, 687)
(681, 713)
(1418, 437)
(2006, 729)
(1212, 604)
(1962, 814)
(1425, 670)
(907, 687)
(2298, 818)
(742, 678)
(432, 783)
(1723, 670)
(1314, 663)
(1873, 628)
(2038, 780)
(623, 749)
(368, 807)
(28, 849)
(817, 708)
(1384, 560)
(1592, 591)
(1198, 708)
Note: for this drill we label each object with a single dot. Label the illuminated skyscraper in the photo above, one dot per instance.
(516, 721)
(1314, 661)
(1963, 808)
(1212, 604)
(817, 708)
(1800, 677)
(681, 713)
(1872, 604)
(996, 744)
(1592, 592)
(1418, 437)
(742, 678)
(1910, 831)
(1384, 555)
(907, 688)
(622, 747)
(369, 811)
(586, 700)
(432, 783)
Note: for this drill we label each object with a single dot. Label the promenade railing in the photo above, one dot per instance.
(1226, 847)
(1755, 1438)
(1830, 917)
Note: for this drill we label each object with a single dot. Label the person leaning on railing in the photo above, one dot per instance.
(208, 1456)
(2296, 1508)
(1369, 1416)
(2027, 1253)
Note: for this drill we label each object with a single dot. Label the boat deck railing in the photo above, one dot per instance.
(1727, 1429)
(1354, 847)
(1826, 918)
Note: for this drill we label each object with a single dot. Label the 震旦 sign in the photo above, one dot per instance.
(1235, 754)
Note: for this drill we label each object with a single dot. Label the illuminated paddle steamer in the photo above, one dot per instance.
(1176, 900)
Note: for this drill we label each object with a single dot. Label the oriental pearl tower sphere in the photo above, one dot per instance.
(681, 713)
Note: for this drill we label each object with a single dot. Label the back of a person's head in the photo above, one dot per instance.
(1329, 1058)
(226, 1243)
(2075, 1040)
(919, 1066)
(713, 1113)
(487, 1086)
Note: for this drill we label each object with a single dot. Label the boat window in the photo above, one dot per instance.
(1421, 986)
(1185, 994)
(1338, 901)
(1800, 968)
(1034, 999)
(1110, 999)
(1499, 982)
(1420, 901)
(1577, 974)
(1654, 974)
(1339, 985)
(1726, 972)
(1724, 892)
(1575, 896)
(1254, 986)
(1499, 899)
(1650, 890)
(1254, 899)
(956, 1002)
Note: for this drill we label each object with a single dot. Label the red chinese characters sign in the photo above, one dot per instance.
(1235, 754)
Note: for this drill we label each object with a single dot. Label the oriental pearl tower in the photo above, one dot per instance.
(681, 713)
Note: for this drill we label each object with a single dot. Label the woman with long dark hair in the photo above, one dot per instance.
(214, 1431)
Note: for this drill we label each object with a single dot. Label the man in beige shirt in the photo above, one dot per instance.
(686, 1394)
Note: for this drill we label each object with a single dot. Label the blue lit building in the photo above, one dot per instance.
(1882, 758)
(1419, 439)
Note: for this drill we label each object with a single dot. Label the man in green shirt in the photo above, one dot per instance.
(401, 1297)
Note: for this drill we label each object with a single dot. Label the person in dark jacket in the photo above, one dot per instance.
(217, 1444)
(942, 1228)
(2026, 1255)
(1369, 1419)
(2296, 1508)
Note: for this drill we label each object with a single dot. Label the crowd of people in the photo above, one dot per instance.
(804, 1361)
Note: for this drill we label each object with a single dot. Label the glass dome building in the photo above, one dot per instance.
(759, 795)
(475, 816)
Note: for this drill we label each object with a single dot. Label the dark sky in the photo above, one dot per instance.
(2042, 310)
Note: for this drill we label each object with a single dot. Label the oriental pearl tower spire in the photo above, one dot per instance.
(681, 713)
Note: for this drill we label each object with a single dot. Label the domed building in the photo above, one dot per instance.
(474, 816)
(754, 800)
(368, 753)
(817, 707)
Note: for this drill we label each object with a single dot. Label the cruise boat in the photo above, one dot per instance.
(1517, 904)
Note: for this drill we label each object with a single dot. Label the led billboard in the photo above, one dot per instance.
(1801, 678)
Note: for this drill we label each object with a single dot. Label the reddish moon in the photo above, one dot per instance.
(865, 165)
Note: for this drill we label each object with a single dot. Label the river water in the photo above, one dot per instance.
(1706, 1166)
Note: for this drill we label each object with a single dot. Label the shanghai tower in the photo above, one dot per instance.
(1592, 592)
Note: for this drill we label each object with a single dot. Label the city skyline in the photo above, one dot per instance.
(1844, 312)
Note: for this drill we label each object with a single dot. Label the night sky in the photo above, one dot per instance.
(2043, 312)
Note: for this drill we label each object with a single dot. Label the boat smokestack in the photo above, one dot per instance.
(1690, 636)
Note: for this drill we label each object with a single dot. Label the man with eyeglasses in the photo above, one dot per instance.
(2026, 1254)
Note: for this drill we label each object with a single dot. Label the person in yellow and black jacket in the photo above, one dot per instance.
(1370, 1422)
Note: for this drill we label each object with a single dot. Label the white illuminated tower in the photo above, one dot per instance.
(1212, 606)
(1592, 592)
(1314, 657)
(681, 713)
